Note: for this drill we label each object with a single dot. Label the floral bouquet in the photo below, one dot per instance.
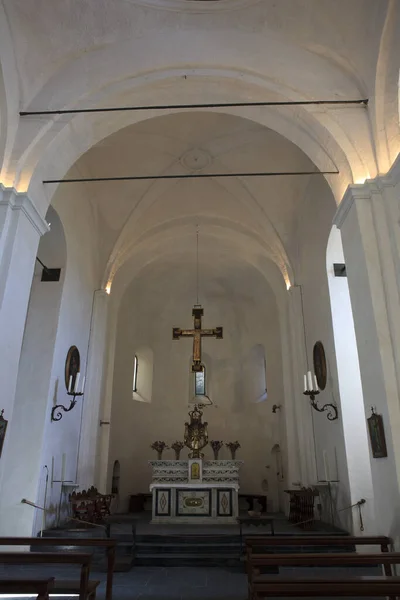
(177, 447)
(159, 447)
(233, 446)
(216, 446)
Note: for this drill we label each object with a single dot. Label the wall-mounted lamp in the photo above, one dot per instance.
(73, 390)
(311, 390)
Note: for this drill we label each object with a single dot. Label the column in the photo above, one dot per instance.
(21, 227)
(301, 404)
(95, 378)
(369, 218)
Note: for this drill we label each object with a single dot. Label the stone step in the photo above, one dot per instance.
(188, 560)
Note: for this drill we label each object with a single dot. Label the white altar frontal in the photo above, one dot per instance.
(195, 491)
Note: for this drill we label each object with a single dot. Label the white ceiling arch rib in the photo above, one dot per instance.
(81, 83)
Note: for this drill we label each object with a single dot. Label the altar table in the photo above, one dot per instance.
(212, 497)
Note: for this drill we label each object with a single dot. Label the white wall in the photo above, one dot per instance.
(241, 301)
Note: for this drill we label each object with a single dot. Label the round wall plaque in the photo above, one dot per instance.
(320, 365)
(72, 365)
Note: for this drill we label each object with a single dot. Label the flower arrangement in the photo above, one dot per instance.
(177, 447)
(216, 446)
(159, 447)
(233, 447)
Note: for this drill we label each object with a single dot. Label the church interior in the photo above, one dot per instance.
(199, 298)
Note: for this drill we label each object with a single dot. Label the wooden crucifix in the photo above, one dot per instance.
(197, 333)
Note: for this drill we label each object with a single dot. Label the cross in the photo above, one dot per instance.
(197, 333)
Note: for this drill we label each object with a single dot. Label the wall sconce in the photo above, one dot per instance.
(311, 389)
(72, 391)
(276, 407)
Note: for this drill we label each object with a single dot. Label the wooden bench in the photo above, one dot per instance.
(255, 541)
(40, 587)
(109, 544)
(278, 586)
(84, 587)
(385, 559)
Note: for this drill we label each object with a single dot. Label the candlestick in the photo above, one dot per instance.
(326, 467)
(70, 384)
(63, 462)
(305, 383)
(315, 383)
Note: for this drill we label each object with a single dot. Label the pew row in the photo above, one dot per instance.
(84, 587)
(282, 586)
(40, 587)
(108, 544)
(384, 559)
(254, 542)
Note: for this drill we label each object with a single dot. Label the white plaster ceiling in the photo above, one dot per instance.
(246, 217)
(97, 53)
(69, 53)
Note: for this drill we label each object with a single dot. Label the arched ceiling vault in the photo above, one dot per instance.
(80, 54)
(74, 55)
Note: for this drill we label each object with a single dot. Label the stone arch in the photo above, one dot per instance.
(9, 96)
(35, 387)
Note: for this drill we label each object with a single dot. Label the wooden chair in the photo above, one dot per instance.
(40, 587)
(108, 544)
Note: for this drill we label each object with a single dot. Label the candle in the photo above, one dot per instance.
(305, 383)
(316, 384)
(326, 466)
(63, 462)
(70, 384)
(83, 384)
(77, 382)
(309, 377)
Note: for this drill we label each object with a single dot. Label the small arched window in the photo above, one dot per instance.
(135, 373)
(200, 382)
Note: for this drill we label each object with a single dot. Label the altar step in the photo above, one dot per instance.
(185, 550)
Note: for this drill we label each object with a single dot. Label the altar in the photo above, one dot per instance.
(195, 491)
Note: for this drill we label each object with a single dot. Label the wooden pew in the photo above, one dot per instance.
(84, 587)
(109, 544)
(385, 559)
(254, 542)
(278, 586)
(40, 587)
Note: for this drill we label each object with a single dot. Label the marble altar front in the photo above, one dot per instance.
(195, 491)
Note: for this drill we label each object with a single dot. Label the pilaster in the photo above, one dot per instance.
(21, 227)
(302, 409)
(95, 379)
(368, 218)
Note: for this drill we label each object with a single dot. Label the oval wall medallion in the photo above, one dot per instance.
(72, 365)
(320, 369)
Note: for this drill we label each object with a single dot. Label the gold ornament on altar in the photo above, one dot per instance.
(196, 434)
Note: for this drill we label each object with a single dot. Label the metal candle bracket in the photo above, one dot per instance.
(58, 416)
(332, 412)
